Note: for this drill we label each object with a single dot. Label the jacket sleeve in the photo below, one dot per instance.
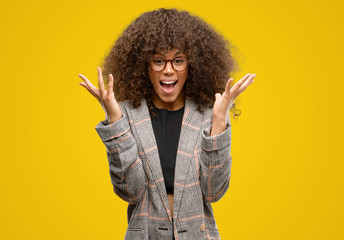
(126, 169)
(215, 163)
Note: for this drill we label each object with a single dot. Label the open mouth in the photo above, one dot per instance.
(168, 86)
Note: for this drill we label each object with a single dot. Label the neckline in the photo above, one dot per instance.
(163, 109)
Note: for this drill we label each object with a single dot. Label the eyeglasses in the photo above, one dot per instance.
(178, 64)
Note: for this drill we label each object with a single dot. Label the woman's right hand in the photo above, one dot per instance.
(105, 97)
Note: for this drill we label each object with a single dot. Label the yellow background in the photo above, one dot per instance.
(287, 170)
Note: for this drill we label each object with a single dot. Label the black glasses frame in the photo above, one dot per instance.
(171, 60)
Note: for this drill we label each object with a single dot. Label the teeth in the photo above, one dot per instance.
(168, 82)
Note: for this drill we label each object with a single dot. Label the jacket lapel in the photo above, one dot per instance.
(191, 125)
(145, 132)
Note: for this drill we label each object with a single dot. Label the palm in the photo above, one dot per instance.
(224, 101)
(105, 97)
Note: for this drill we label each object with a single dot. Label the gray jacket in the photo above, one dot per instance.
(202, 173)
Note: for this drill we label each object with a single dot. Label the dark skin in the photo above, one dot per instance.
(222, 104)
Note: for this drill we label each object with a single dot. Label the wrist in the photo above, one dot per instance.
(218, 125)
(114, 119)
(219, 118)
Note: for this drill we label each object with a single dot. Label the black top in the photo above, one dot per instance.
(166, 126)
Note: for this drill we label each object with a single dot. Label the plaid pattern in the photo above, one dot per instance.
(202, 174)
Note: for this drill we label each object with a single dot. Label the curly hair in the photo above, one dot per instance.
(211, 63)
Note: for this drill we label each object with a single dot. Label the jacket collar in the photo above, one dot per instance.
(187, 141)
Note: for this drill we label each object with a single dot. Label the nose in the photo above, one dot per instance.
(168, 69)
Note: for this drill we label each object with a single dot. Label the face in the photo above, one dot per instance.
(168, 84)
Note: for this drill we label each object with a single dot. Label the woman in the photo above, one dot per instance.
(167, 129)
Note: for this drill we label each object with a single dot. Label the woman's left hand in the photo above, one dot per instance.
(225, 101)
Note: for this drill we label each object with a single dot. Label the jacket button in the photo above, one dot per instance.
(202, 227)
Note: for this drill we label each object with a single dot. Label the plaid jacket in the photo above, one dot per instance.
(202, 173)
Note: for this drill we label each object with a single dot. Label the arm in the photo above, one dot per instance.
(215, 157)
(215, 162)
(219, 124)
(126, 172)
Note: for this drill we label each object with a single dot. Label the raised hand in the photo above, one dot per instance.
(105, 97)
(224, 101)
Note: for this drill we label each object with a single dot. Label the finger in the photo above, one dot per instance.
(101, 83)
(91, 92)
(239, 83)
(248, 81)
(110, 85)
(244, 85)
(217, 97)
(228, 85)
(85, 86)
(90, 86)
(226, 95)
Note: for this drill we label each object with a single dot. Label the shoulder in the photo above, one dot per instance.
(207, 115)
(128, 105)
(125, 107)
(204, 110)
(207, 110)
(129, 111)
(125, 103)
